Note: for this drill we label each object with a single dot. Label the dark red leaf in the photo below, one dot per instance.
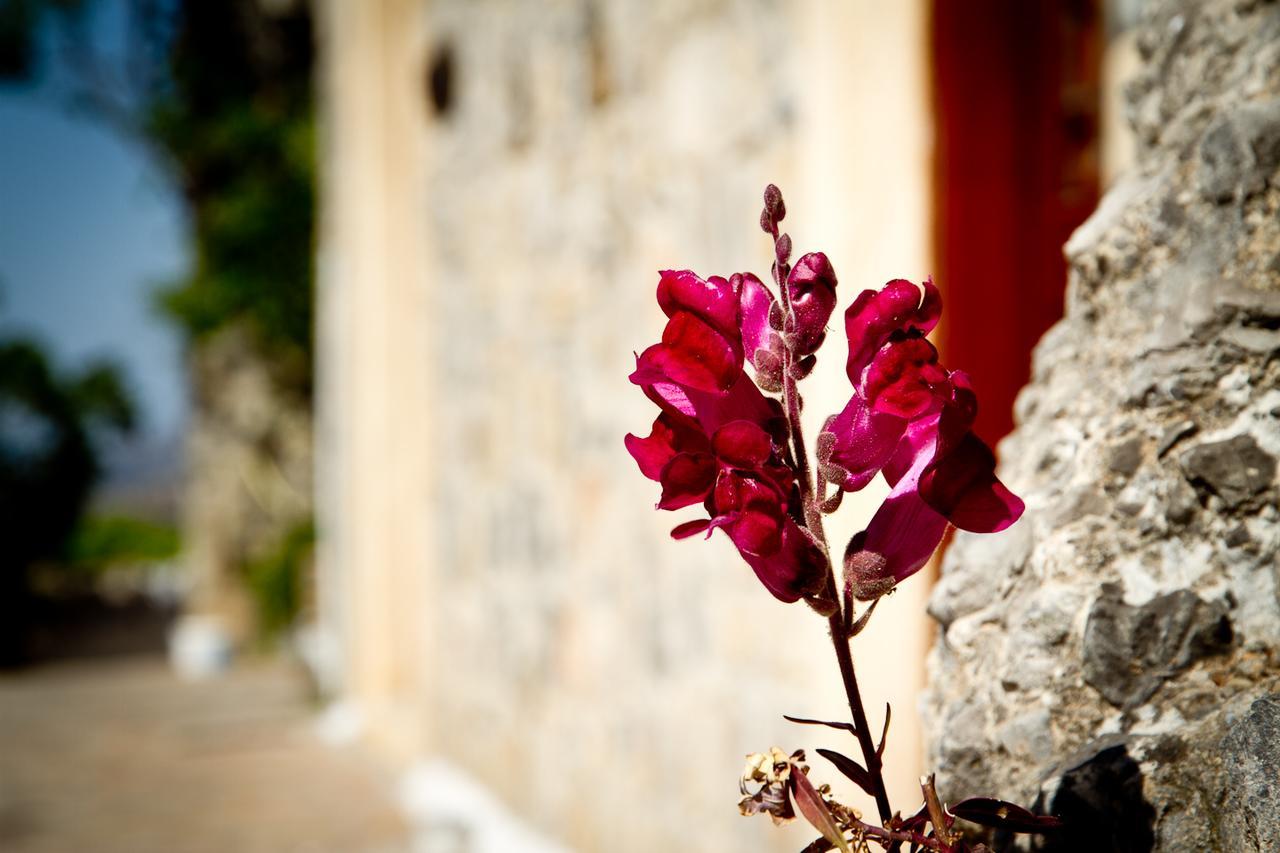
(809, 803)
(845, 727)
(884, 733)
(916, 822)
(850, 768)
(986, 811)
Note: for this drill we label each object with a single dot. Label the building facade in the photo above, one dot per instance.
(501, 182)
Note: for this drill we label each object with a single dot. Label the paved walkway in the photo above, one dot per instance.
(118, 755)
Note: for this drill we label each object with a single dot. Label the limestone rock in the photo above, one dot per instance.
(1235, 469)
(248, 482)
(1130, 651)
(1251, 748)
(1133, 614)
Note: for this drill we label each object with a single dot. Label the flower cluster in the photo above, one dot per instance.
(729, 438)
(908, 418)
(721, 442)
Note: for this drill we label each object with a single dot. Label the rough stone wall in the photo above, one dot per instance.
(595, 689)
(603, 680)
(248, 478)
(502, 179)
(1116, 655)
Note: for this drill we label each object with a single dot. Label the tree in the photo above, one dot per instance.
(48, 465)
(221, 94)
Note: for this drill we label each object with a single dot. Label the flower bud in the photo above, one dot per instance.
(811, 288)
(774, 204)
(783, 248)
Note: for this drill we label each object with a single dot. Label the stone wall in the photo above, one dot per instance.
(247, 484)
(607, 681)
(1116, 655)
(502, 181)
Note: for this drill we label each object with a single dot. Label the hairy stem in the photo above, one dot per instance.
(791, 400)
(839, 620)
(871, 758)
(889, 838)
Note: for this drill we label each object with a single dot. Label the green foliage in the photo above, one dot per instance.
(47, 466)
(47, 459)
(237, 125)
(276, 580)
(98, 394)
(102, 541)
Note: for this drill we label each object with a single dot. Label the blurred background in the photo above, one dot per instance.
(315, 322)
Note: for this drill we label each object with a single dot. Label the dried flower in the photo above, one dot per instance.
(772, 771)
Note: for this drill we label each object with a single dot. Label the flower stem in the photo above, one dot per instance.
(791, 399)
(870, 757)
(889, 838)
(838, 620)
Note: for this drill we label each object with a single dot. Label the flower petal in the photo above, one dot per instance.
(960, 482)
(712, 300)
(755, 303)
(671, 434)
(651, 453)
(872, 317)
(796, 569)
(930, 309)
(902, 536)
(755, 532)
(811, 289)
(669, 396)
(690, 528)
(686, 479)
(904, 532)
(905, 379)
(694, 353)
(742, 444)
(751, 511)
(958, 414)
(863, 441)
(963, 486)
(742, 402)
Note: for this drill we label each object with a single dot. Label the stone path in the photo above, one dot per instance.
(118, 755)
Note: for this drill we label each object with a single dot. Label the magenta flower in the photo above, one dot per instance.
(811, 290)
(718, 439)
(701, 346)
(910, 418)
(896, 378)
(761, 320)
(721, 443)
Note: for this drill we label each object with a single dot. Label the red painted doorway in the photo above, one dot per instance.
(1016, 101)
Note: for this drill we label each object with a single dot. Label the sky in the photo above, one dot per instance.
(89, 229)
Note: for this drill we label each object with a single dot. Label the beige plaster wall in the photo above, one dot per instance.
(373, 403)
(494, 583)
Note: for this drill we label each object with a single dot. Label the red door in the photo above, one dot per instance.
(1016, 97)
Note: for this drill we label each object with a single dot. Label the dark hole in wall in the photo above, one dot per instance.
(520, 105)
(597, 56)
(440, 80)
(1101, 806)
